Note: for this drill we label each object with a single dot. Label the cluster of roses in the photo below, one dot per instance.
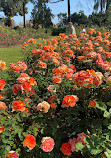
(21, 67)
(24, 83)
(70, 146)
(60, 51)
(30, 141)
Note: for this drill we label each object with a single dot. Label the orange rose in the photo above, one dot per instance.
(69, 100)
(18, 106)
(2, 128)
(66, 149)
(53, 105)
(2, 105)
(92, 103)
(56, 79)
(97, 80)
(2, 84)
(3, 65)
(29, 141)
(42, 64)
(51, 99)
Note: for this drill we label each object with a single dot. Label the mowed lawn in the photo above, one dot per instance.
(10, 55)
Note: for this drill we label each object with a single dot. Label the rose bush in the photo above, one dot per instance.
(57, 102)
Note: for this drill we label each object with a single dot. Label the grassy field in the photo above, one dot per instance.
(10, 55)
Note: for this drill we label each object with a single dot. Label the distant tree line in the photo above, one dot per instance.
(41, 14)
(99, 19)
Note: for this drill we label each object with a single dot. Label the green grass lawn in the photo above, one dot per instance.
(10, 55)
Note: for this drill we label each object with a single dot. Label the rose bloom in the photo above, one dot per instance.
(23, 78)
(44, 106)
(12, 154)
(27, 110)
(72, 67)
(2, 129)
(56, 79)
(66, 149)
(39, 44)
(42, 64)
(29, 141)
(34, 51)
(51, 99)
(92, 55)
(56, 61)
(3, 65)
(108, 81)
(81, 138)
(99, 74)
(92, 103)
(14, 67)
(22, 66)
(107, 54)
(32, 81)
(80, 58)
(16, 89)
(2, 105)
(104, 156)
(63, 69)
(69, 100)
(82, 77)
(2, 84)
(26, 86)
(18, 106)
(47, 144)
(73, 142)
(97, 80)
(69, 76)
(51, 89)
(53, 105)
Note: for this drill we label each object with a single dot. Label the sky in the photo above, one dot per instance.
(75, 6)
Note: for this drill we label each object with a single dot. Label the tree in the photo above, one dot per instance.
(23, 9)
(79, 18)
(41, 14)
(103, 4)
(63, 19)
(9, 7)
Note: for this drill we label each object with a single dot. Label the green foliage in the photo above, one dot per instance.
(41, 14)
(87, 125)
(57, 31)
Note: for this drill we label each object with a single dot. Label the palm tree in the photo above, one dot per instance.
(23, 11)
(103, 4)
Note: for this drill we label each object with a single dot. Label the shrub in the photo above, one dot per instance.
(57, 103)
(56, 31)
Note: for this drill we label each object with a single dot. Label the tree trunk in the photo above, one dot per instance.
(101, 6)
(24, 14)
(107, 4)
(69, 16)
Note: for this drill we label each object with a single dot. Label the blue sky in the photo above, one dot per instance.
(76, 6)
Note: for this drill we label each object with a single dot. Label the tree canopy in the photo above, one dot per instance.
(41, 14)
